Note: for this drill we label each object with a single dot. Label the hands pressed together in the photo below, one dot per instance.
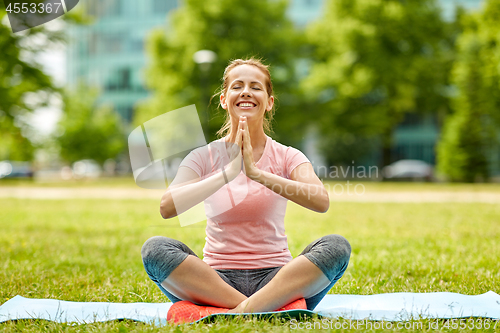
(303, 187)
(242, 148)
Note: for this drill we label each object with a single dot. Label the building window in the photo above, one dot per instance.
(125, 111)
(82, 49)
(113, 44)
(414, 151)
(411, 120)
(93, 47)
(136, 81)
(100, 8)
(136, 45)
(163, 6)
(118, 80)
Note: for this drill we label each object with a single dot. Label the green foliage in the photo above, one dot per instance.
(89, 132)
(13, 145)
(249, 28)
(470, 134)
(17, 78)
(24, 87)
(374, 62)
(341, 148)
(461, 153)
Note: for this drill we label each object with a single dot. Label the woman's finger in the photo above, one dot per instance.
(246, 136)
(239, 138)
(247, 146)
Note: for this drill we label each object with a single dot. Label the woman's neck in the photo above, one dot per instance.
(257, 136)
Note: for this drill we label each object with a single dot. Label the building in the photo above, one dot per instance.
(110, 52)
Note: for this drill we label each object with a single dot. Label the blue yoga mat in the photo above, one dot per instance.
(389, 307)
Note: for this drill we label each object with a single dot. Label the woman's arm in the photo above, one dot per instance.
(304, 187)
(187, 190)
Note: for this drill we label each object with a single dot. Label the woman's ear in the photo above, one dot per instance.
(270, 103)
(223, 101)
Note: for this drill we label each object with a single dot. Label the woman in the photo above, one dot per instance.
(247, 266)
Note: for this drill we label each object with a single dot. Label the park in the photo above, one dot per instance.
(357, 88)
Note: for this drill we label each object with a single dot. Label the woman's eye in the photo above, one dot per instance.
(236, 87)
(256, 88)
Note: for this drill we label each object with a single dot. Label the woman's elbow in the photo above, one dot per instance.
(167, 209)
(324, 204)
(165, 214)
(323, 207)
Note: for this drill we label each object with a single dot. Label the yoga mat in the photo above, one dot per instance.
(388, 307)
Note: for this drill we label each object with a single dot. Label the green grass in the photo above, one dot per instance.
(128, 182)
(113, 182)
(427, 187)
(89, 250)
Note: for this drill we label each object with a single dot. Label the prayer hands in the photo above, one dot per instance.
(250, 168)
(233, 169)
(241, 151)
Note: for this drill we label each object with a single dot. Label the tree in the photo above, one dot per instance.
(18, 77)
(249, 28)
(471, 130)
(88, 131)
(374, 61)
(24, 87)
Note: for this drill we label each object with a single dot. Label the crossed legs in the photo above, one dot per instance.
(178, 272)
(299, 278)
(184, 283)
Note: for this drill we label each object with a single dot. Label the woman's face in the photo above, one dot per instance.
(246, 93)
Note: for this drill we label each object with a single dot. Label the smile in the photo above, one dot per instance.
(246, 105)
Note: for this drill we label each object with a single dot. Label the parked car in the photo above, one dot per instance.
(15, 169)
(408, 170)
(86, 169)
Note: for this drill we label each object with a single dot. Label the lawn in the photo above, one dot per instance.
(89, 250)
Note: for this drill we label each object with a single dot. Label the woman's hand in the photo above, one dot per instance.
(251, 169)
(303, 187)
(233, 168)
(187, 189)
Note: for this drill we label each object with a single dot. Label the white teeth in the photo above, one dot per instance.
(246, 104)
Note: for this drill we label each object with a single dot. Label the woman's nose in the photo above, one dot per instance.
(246, 91)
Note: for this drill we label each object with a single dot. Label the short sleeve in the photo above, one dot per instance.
(197, 161)
(293, 158)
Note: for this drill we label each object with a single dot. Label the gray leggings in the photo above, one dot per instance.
(331, 253)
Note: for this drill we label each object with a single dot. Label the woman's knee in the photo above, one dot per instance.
(151, 247)
(338, 245)
(161, 255)
(336, 255)
(331, 253)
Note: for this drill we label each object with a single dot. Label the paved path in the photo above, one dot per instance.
(79, 193)
(338, 194)
(418, 196)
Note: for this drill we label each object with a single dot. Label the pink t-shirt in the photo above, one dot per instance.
(245, 229)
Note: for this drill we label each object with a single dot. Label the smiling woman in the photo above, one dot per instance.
(265, 84)
(247, 266)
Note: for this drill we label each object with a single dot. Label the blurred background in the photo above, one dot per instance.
(410, 88)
